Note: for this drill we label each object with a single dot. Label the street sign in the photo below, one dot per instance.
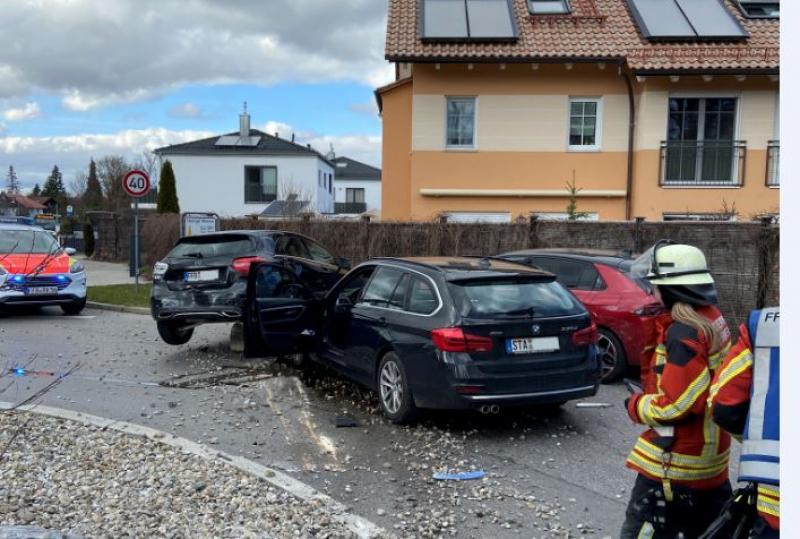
(136, 183)
(70, 211)
(193, 224)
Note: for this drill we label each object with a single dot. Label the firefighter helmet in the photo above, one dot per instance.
(672, 264)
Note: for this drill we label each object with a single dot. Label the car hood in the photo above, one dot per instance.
(32, 263)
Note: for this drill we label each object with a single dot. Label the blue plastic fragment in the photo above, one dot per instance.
(460, 476)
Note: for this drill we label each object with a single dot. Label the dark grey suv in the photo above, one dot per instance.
(204, 278)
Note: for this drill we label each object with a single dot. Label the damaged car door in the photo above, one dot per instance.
(282, 312)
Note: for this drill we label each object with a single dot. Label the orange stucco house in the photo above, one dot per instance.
(664, 110)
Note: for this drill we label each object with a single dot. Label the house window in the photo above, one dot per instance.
(548, 7)
(584, 121)
(721, 216)
(330, 183)
(759, 9)
(260, 184)
(354, 195)
(701, 146)
(460, 122)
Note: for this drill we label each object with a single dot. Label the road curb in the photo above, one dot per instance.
(360, 526)
(117, 308)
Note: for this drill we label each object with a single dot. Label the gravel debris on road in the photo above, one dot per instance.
(61, 475)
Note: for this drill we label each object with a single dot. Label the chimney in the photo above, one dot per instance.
(244, 123)
(292, 137)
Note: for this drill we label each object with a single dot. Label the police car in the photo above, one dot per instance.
(36, 270)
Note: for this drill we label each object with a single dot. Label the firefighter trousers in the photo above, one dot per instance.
(650, 516)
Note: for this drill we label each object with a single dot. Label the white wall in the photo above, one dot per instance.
(216, 183)
(372, 192)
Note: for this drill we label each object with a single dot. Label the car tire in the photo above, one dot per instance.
(611, 355)
(74, 308)
(174, 334)
(394, 393)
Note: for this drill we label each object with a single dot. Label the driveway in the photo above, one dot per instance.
(547, 476)
(105, 273)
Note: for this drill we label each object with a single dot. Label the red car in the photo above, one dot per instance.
(624, 309)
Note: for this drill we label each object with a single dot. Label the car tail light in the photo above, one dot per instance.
(455, 340)
(586, 336)
(651, 309)
(242, 265)
(469, 390)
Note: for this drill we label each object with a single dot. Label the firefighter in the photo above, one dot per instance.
(682, 459)
(745, 401)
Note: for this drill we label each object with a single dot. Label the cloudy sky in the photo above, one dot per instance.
(83, 78)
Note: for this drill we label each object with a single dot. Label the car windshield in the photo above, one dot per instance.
(229, 246)
(27, 242)
(513, 298)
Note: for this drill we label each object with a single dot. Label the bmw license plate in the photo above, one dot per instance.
(200, 276)
(534, 345)
(41, 291)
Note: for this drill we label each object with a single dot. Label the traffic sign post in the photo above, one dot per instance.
(137, 184)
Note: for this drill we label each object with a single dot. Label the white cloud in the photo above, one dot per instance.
(95, 53)
(370, 108)
(34, 157)
(186, 110)
(364, 148)
(28, 112)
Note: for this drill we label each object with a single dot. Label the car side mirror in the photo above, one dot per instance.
(343, 304)
(70, 251)
(344, 263)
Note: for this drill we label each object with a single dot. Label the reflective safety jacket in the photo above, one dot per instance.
(745, 400)
(683, 445)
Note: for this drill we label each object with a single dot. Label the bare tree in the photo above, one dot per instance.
(111, 169)
(77, 187)
(297, 197)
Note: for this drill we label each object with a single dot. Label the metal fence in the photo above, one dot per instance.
(702, 163)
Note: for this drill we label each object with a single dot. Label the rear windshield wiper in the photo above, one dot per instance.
(520, 313)
(191, 255)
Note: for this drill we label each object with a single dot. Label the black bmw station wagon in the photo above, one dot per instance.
(446, 333)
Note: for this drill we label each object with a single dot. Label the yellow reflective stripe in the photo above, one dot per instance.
(763, 506)
(673, 472)
(681, 405)
(714, 360)
(739, 364)
(769, 490)
(647, 531)
(710, 435)
(689, 461)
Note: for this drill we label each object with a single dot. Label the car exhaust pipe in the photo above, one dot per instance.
(485, 409)
(494, 409)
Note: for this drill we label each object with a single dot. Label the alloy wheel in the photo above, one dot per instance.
(391, 387)
(609, 355)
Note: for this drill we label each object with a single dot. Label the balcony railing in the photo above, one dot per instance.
(773, 163)
(350, 207)
(702, 163)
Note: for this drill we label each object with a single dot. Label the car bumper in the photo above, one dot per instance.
(75, 291)
(198, 306)
(455, 387)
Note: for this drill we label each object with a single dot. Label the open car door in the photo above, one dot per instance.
(281, 314)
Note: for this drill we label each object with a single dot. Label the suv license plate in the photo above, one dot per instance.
(532, 346)
(198, 276)
(42, 291)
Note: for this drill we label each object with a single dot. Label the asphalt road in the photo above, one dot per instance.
(556, 475)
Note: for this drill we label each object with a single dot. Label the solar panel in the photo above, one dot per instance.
(236, 140)
(711, 20)
(490, 19)
(685, 20)
(661, 19)
(444, 19)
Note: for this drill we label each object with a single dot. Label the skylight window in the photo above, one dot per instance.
(758, 9)
(548, 7)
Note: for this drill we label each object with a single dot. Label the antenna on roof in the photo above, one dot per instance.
(244, 108)
(292, 137)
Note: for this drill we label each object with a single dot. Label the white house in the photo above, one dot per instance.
(358, 187)
(242, 173)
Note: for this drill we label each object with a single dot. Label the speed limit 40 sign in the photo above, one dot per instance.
(136, 183)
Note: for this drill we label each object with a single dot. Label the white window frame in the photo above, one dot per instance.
(668, 217)
(563, 216)
(566, 11)
(703, 96)
(598, 135)
(505, 217)
(462, 148)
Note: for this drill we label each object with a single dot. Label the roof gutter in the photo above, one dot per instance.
(631, 132)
